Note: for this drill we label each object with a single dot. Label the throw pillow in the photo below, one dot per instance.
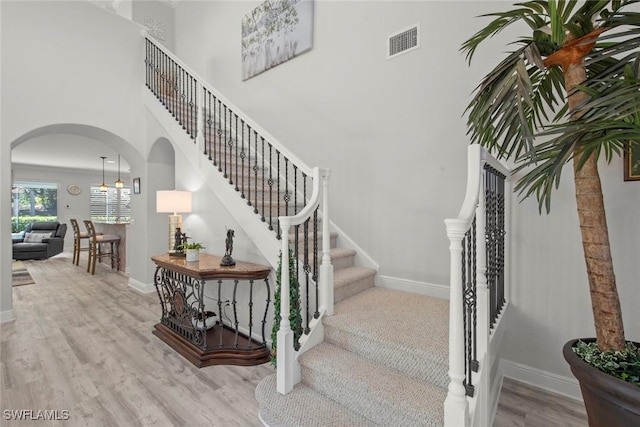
(36, 237)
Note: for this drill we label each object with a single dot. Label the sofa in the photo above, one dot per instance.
(40, 240)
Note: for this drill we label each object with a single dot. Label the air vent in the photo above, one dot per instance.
(403, 42)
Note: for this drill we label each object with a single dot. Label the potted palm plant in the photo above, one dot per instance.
(573, 80)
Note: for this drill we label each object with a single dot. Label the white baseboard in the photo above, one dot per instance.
(413, 286)
(559, 384)
(7, 316)
(495, 393)
(145, 288)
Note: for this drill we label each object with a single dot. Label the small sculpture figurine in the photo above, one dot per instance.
(179, 239)
(227, 261)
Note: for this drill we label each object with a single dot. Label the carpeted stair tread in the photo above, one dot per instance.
(303, 407)
(352, 280)
(403, 331)
(381, 394)
(342, 258)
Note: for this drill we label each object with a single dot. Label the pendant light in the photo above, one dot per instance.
(119, 183)
(103, 186)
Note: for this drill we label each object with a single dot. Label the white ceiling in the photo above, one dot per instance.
(68, 151)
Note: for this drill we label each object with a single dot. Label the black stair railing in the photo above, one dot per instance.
(494, 236)
(477, 281)
(173, 85)
(268, 180)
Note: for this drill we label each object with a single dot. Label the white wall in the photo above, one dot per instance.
(393, 134)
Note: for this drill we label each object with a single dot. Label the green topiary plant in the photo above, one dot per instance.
(294, 312)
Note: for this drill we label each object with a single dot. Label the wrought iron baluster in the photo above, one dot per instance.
(474, 303)
(278, 232)
(315, 261)
(219, 141)
(146, 62)
(221, 322)
(286, 197)
(253, 171)
(295, 188)
(175, 88)
(216, 119)
(242, 157)
(270, 188)
(230, 144)
(263, 181)
(224, 141)
(500, 242)
(207, 130)
(465, 318)
(264, 319)
(177, 83)
(187, 104)
(231, 181)
(305, 266)
(250, 312)
(235, 313)
(194, 109)
(163, 81)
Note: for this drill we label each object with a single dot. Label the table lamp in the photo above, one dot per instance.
(172, 202)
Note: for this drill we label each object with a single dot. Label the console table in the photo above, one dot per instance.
(222, 334)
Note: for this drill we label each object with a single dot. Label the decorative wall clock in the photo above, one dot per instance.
(74, 189)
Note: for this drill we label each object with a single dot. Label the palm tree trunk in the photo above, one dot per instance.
(595, 235)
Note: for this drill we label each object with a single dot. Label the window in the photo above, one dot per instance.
(113, 205)
(33, 201)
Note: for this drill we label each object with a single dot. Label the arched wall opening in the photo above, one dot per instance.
(137, 245)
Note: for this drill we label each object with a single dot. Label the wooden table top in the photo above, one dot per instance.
(209, 267)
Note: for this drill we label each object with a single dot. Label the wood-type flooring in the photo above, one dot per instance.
(82, 348)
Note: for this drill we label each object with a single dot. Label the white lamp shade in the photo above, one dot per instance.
(173, 201)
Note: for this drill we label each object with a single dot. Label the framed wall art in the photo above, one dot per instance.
(632, 162)
(275, 32)
(136, 185)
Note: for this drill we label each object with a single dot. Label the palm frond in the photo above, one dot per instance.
(530, 16)
(519, 103)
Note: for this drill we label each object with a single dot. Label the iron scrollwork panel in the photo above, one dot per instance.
(181, 299)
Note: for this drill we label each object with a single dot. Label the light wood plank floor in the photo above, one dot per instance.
(83, 344)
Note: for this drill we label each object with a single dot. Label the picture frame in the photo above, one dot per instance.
(136, 185)
(631, 163)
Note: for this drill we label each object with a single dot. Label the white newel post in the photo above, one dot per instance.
(285, 362)
(456, 408)
(326, 268)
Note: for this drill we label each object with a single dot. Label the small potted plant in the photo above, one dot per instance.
(192, 250)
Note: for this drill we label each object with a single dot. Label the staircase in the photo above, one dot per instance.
(383, 360)
(369, 356)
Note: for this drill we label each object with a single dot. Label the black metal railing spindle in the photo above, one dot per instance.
(236, 155)
(270, 188)
(316, 262)
(220, 135)
(278, 235)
